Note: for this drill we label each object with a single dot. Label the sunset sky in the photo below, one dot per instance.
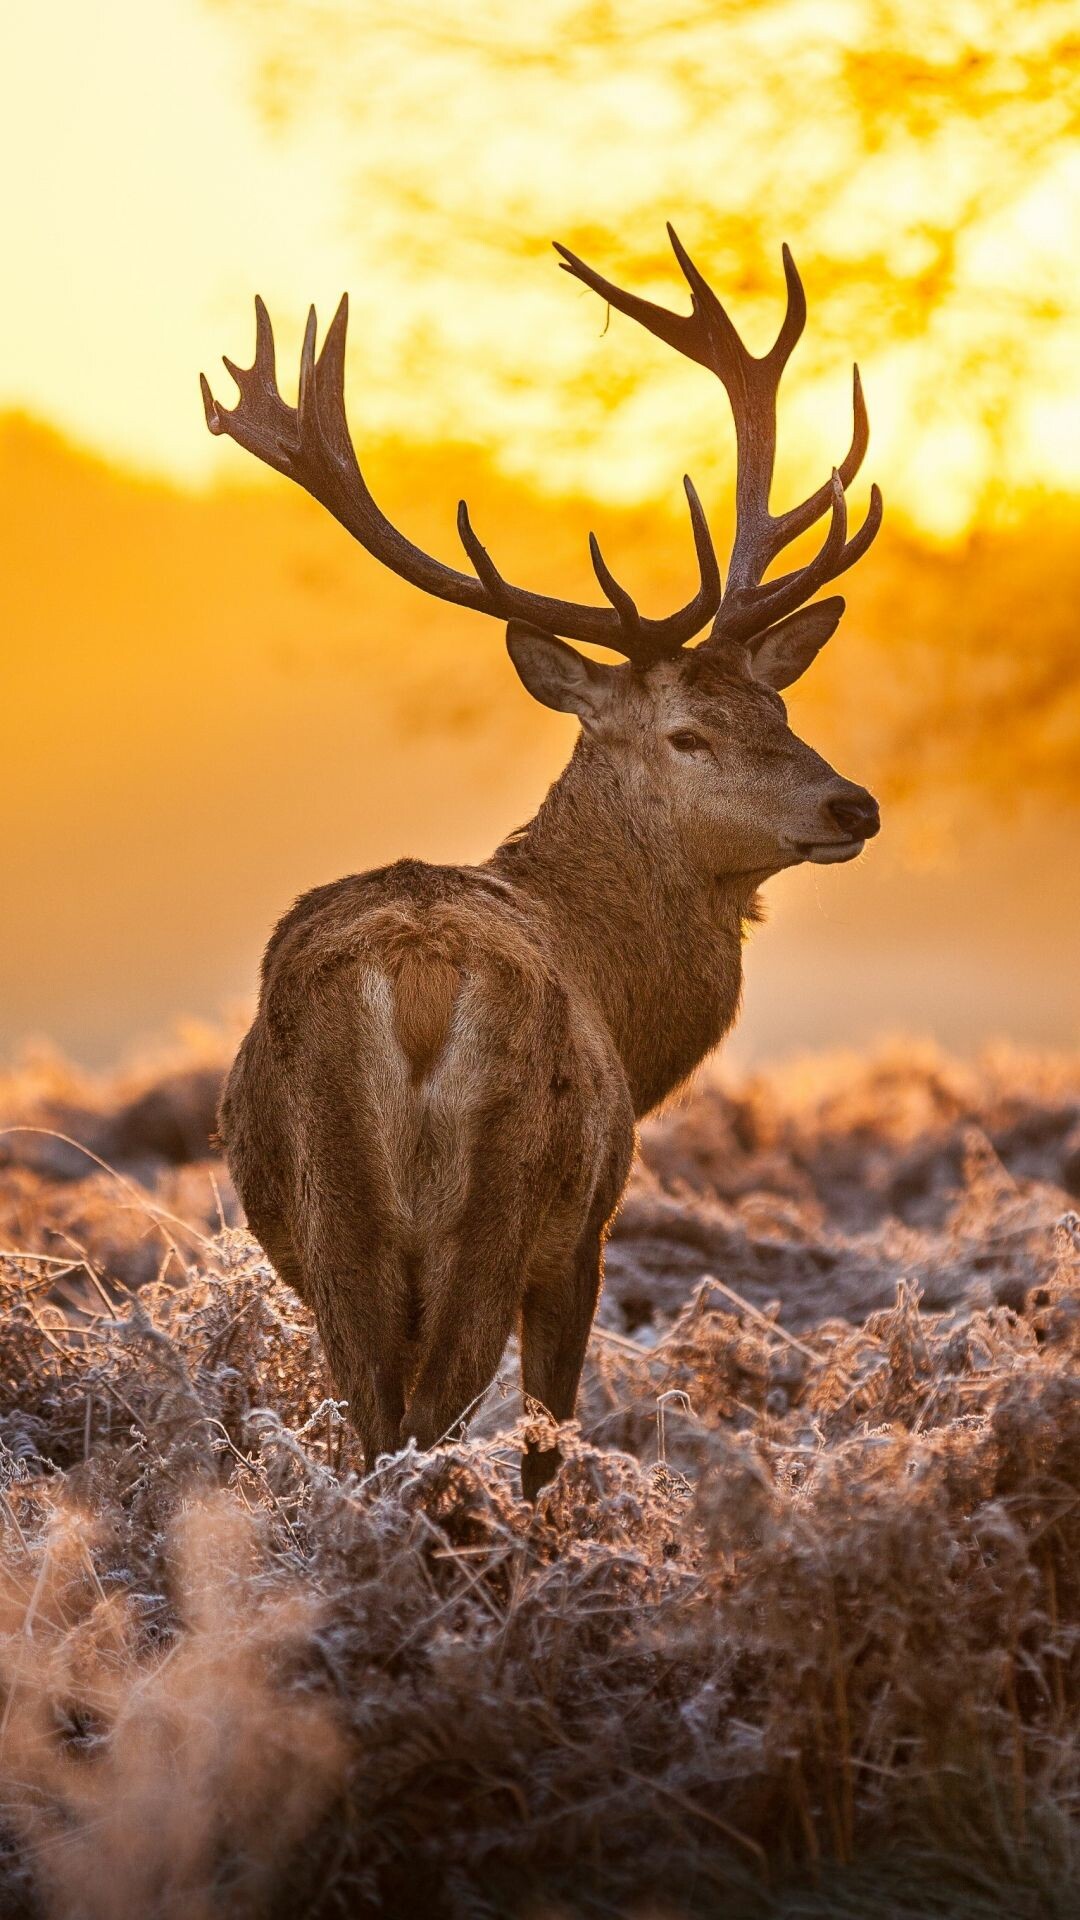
(923, 162)
(218, 700)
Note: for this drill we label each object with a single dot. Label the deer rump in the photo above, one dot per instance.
(426, 1185)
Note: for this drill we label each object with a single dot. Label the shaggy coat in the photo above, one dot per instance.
(432, 1118)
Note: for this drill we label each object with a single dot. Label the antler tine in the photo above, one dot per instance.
(799, 519)
(750, 607)
(305, 407)
(622, 601)
(708, 565)
(708, 336)
(484, 565)
(791, 328)
(748, 612)
(723, 351)
(745, 617)
(270, 423)
(262, 371)
(676, 330)
(311, 443)
(329, 385)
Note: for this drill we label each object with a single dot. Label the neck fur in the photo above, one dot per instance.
(657, 945)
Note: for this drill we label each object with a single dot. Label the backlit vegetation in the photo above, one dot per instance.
(795, 1632)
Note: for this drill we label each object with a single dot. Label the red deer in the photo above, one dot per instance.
(431, 1120)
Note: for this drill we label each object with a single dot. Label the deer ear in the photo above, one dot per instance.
(786, 650)
(558, 676)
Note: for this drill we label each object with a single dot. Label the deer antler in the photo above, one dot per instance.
(707, 335)
(312, 444)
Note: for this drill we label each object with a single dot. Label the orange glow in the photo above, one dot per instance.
(214, 699)
(923, 162)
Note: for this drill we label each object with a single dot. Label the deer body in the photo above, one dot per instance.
(431, 1120)
(442, 1134)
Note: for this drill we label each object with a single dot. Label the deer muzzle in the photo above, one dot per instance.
(850, 817)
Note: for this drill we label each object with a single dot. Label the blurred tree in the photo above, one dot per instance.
(923, 162)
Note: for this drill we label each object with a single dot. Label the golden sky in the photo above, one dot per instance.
(214, 699)
(165, 161)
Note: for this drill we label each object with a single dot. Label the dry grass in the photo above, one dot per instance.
(794, 1633)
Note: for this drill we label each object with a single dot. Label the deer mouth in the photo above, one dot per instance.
(827, 853)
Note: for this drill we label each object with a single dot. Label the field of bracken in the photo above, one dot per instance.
(795, 1632)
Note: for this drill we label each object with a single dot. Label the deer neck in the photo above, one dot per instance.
(656, 944)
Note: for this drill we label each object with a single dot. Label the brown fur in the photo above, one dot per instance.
(425, 986)
(432, 1117)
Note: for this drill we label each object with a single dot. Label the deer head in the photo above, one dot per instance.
(696, 735)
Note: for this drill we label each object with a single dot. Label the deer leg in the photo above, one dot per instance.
(279, 1247)
(556, 1320)
(462, 1348)
(374, 1388)
(469, 1295)
(367, 1372)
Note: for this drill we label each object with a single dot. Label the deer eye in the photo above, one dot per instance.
(685, 740)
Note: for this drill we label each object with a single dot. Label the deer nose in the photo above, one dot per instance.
(855, 813)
